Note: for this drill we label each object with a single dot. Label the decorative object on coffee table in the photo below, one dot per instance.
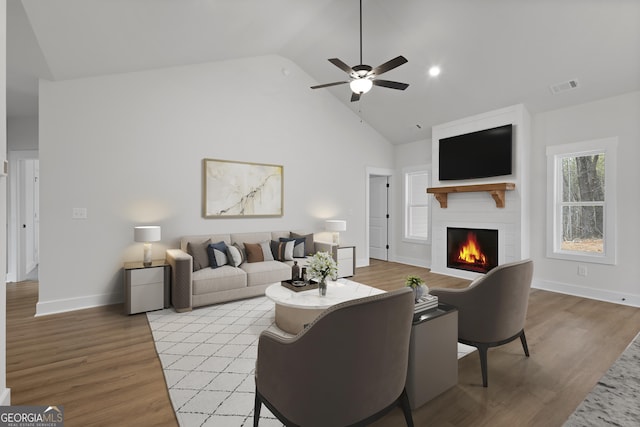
(417, 284)
(295, 271)
(320, 267)
(298, 285)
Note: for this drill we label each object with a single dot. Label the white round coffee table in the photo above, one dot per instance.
(296, 309)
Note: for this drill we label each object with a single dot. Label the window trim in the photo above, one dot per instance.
(412, 170)
(555, 153)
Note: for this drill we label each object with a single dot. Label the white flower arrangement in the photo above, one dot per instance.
(321, 266)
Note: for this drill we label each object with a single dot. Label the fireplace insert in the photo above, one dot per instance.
(472, 249)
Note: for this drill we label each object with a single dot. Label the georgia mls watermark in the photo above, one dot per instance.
(31, 416)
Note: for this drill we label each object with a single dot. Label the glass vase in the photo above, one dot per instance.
(322, 287)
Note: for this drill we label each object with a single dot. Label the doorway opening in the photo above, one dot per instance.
(23, 235)
(378, 213)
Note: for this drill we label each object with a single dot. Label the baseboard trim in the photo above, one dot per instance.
(5, 397)
(584, 292)
(416, 262)
(45, 308)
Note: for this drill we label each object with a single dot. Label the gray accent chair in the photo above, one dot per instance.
(346, 368)
(493, 309)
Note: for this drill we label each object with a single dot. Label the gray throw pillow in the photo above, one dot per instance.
(198, 252)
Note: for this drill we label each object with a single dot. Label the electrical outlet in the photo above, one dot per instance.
(582, 270)
(79, 213)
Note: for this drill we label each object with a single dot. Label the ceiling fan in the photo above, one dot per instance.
(363, 77)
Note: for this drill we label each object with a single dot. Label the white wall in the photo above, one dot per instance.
(22, 133)
(416, 153)
(129, 148)
(612, 117)
(5, 394)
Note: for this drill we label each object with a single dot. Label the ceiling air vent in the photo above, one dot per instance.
(564, 86)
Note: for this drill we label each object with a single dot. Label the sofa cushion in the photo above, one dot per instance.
(254, 252)
(262, 273)
(309, 244)
(223, 278)
(217, 254)
(198, 251)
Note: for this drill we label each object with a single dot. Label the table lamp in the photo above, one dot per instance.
(146, 234)
(335, 226)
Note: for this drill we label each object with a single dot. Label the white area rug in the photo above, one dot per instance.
(208, 357)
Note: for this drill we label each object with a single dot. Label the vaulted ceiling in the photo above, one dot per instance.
(493, 53)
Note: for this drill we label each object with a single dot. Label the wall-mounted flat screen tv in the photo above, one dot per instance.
(481, 154)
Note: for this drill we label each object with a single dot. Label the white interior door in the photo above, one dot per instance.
(378, 217)
(28, 216)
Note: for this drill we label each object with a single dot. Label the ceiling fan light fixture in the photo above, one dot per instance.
(361, 85)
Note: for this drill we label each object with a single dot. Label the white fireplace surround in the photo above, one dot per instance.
(478, 209)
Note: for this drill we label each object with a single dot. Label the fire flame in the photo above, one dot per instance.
(470, 251)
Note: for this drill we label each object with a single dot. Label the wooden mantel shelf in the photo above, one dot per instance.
(496, 190)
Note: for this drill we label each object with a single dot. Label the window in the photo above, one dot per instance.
(582, 201)
(417, 206)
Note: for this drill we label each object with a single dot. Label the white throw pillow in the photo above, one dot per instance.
(288, 250)
(266, 251)
(234, 255)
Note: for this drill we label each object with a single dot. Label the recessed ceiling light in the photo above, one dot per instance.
(434, 71)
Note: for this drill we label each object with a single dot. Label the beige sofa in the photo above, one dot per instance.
(208, 285)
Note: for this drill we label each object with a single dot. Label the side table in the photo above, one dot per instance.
(433, 354)
(146, 288)
(345, 257)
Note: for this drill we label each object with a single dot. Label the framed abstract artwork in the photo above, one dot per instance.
(241, 189)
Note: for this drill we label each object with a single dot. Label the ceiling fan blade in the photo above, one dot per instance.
(390, 84)
(389, 65)
(344, 67)
(355, 97)
(328, 84)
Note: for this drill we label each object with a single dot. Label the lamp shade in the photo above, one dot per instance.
(146, 233)
(335, 225)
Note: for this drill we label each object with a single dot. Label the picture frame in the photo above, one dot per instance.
(234, 189)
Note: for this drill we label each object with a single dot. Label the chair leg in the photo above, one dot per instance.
(523, 340)
(256, 409)
(482, 352)
(406, 408)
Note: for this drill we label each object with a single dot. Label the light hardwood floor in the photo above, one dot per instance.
(102, 366)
